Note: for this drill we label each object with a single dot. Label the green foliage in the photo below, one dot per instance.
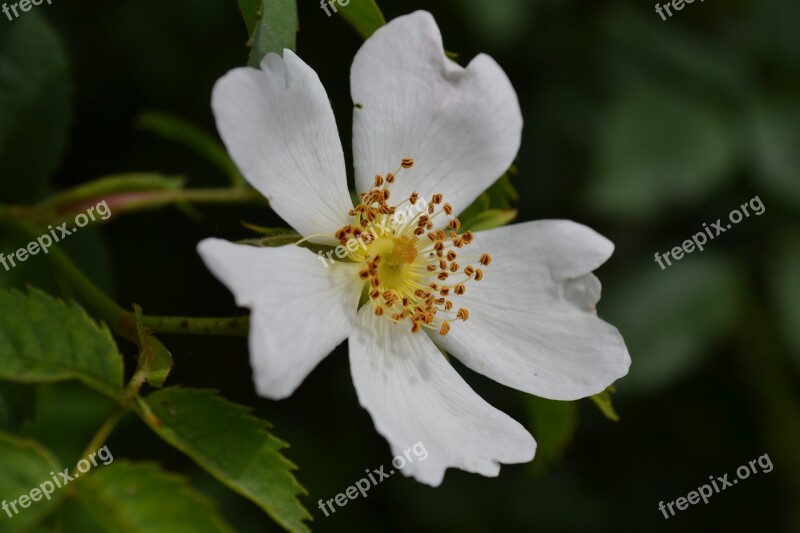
(6, 414)
(491, 218)
(658, 150)
(278, 238)
(500, 23)
(185, 133)
(553, 424)
(492, 209)
(251, 12)
(274, 24)
(35, 103)
(669, 115)
(38, 273)
(45, 340)
(777, 138)
(25, 465)
(785, 293)
(16, 405)
(130, 498)
(603, 402)
(154, 359)
(651, 310)
(269, 232)
(136, 182)
(85, 409)
(231, 445)
(363, 15)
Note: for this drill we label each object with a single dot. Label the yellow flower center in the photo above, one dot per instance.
(409, 259)
(397, 257)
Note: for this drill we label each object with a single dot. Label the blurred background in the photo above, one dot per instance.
(640, 128)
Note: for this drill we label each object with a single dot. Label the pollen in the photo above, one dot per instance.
(407, 255)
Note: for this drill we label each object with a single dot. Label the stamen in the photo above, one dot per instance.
(408, 260)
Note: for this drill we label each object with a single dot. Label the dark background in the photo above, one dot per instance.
(640, 128)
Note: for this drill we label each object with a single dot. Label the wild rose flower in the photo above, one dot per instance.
(516, 304)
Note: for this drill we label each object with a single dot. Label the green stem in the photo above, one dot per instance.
(234, 326)
(101, 437)
(98, 303)
(123, 322)
(121, 197)
(127, 401)
(233, 195)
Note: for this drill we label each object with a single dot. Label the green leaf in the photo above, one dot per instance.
(56, 403)
(785, 291)
(16, 405)
(6, 415)
(777, 137)
(658, 150)
(38, 273)
(275, 29)
(269, 232)
(493, 218)
(34, 107)
(86, 248)
(474, 210)
(271, 241)
(502, 194)
(25, 466)
(186, 134)
(363, 15)
(251, 12)
(286, 238)
(45, 340)
(232, 445)
(154, 358)
(140, 498)
(603, 402)
(493, 208)
(501, 23)
(651, 311)
(553, 424)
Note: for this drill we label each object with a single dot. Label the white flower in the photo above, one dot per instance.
(516, 304)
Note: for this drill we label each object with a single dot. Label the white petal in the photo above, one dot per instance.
(532, 323)
(278, 126)
(301, 309)
(462, 126)
(415, 396)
